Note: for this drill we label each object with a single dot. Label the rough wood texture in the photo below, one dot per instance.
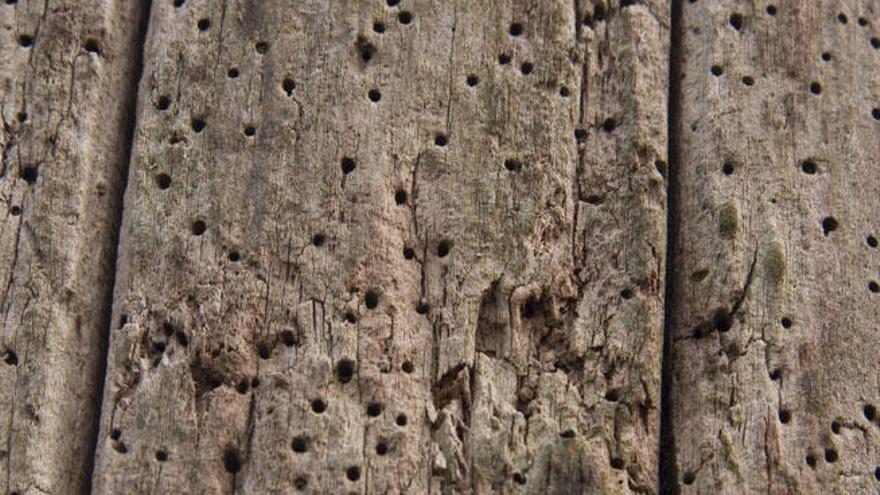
(67, 74)
(455, 288)
(775, 309)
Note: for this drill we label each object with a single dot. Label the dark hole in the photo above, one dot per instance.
(350, 317)
(168, 328)
(232, 74)
(262, 47)
(199, 227)
(163, 181)
(25, 40)
(443, 248)
(15, 210)
(580, 134)
(255, 382)
(875, 42)
(115, 434)
(198, 125)
(181, 338)
(249, 131)
(21, 116)
(609, 125)
(784, 415)
(829, 224)
(179, 3)
(163, 103)
(611, 395)
(815, 88)
(371, 299)
(11, 2)
(472, 80)
(808, 167)
(120, 447)
(567, 434)
(736, 20)
(771, 9)
(863, 21)
(717, 70)
(516, 29)
(776, 374)
(374, 409)
(617, 463)
(234, 256)
(318, 240)
(841, 18)
(811, 461)
(727, 168)
(723, 320)
(29, 173)
(748, 81)
(231, 460)
(688, 478)
(92, 46)
(873, 287)
(289, 338)
(401, 420)
(593, 199)
(378, 27)
(301, 483)
(786, 323)
(344, 370)
(347, 165)
(512, 165)
(263, 350)
(204, 24)
(381, 448)
(161, 456)
(374, 95)
(404, 17)
(831, 455)
(626, 293)
(243, 386)
(877, 473)
(526, 68)
(875, 113)
(519, 478)
(835, 427)
(564, 92)
(400, 196)
(599, 13)
(288, 86)
(409, 253)
(826, 56)
(319, 406)
(11, 358)
(159, 347)
(393, 3)
(504, 59)
(300, 444)
(440, 140)
(422, 308)
(408, 367)
(871, 240)
(353, 473)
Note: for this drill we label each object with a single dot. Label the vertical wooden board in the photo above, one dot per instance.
(391, 247)
(67, 73)
(775, 305)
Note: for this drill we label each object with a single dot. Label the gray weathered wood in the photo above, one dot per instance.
(526, 359)
(67, 78)
(774, 318)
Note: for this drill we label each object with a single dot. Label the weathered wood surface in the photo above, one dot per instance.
(67, 79)
(775, 257)
(281, 323)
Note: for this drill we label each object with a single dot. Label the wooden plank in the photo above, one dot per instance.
(392, 247)
(67, 78)
(776, 263)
